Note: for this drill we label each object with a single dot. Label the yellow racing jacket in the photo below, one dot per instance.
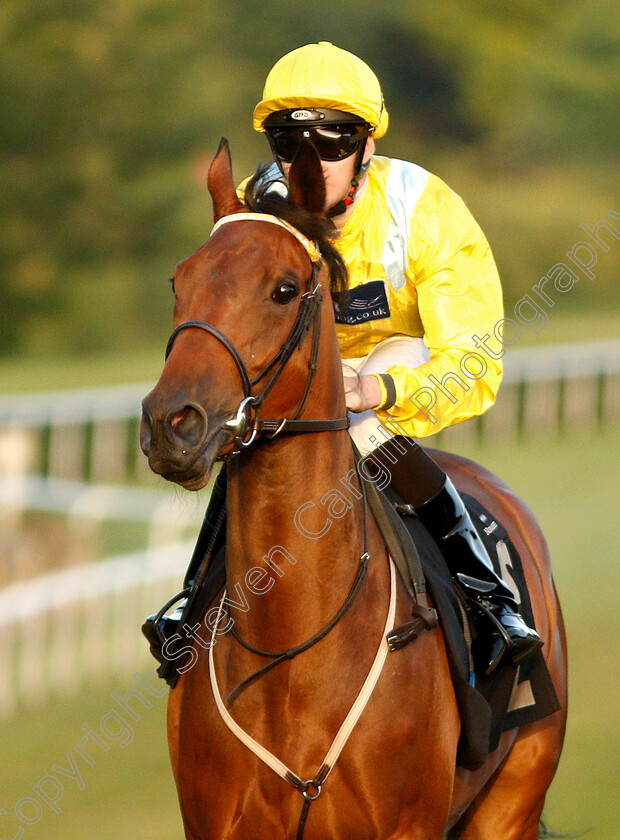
(420, 266)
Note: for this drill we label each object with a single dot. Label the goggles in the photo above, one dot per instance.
(332, 142)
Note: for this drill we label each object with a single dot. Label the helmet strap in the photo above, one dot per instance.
(360, 168)
(343, 205)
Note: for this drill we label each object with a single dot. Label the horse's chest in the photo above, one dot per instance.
(229, 792)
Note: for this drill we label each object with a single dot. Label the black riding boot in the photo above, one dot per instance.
(448, 521)
(419, 481)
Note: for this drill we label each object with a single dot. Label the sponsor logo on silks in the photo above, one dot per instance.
(301, 115)
(367, 302)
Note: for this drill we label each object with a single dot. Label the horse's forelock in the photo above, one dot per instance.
(261, 197)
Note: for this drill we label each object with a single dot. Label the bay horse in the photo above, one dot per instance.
(254, 335)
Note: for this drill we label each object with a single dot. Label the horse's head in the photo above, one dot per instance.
(247, 321)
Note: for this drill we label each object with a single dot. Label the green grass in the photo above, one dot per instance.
(34, 374)
(571, 326)
(128, 793)
(571, 483)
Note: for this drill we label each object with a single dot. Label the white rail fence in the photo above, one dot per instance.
(63, 631)
(75, 626)
(92, 434)
(166, 515)
(551, 389)
(68, 628)
(86, 434)
(49, 523)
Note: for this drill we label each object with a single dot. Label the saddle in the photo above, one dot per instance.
(510, 697)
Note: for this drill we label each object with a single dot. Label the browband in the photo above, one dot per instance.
(313, 251)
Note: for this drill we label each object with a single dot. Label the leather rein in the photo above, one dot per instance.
(291, 653)
(246, 425)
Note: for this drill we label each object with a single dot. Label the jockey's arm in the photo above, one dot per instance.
(452, 272)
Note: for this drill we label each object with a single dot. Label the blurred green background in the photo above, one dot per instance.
(109, 113)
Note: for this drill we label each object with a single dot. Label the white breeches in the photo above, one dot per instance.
(366, 429)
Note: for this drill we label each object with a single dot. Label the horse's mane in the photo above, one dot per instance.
(262, 198)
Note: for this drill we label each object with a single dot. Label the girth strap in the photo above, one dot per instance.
(403, 551)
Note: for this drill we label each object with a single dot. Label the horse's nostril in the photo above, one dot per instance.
(145, 433)
(178, 418)
(189, 425)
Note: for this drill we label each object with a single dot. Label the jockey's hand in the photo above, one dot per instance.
(362, 392)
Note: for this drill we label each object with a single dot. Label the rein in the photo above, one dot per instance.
(291, 653)
(246, 425)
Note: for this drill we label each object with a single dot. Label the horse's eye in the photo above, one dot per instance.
(171, 281)
(284, 293)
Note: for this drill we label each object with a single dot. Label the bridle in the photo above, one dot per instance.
(246, 426)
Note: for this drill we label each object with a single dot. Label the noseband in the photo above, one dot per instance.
(246, 425)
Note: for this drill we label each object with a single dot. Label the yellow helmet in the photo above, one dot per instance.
(323, 76)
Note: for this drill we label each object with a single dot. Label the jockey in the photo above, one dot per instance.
(424, 299)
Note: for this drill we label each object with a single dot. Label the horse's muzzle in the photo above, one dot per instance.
(172, 439)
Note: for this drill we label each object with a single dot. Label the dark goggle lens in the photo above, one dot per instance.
(331, 144)
(284, 144)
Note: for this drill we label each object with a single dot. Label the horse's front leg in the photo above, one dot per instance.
(508, 808)
(175, 699)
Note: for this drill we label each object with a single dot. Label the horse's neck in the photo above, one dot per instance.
(279, 497)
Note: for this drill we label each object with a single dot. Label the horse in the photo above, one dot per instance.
(253, 375)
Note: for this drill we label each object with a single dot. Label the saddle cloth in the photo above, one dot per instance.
(513, 695)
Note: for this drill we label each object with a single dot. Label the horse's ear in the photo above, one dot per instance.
(305, 179)
(221, 184)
